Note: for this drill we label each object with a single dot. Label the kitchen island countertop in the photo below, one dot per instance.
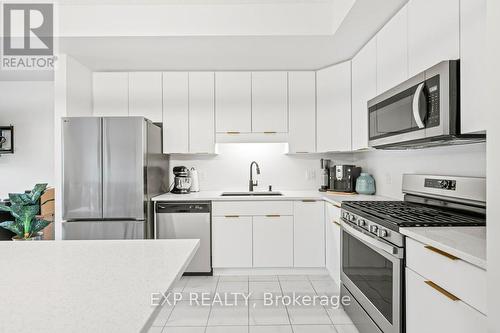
(87, 286)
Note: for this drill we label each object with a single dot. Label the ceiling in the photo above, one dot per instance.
(271, 52)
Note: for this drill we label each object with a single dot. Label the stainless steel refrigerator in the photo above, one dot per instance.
(112, 167)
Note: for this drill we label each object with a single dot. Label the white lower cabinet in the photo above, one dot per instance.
(332, 221)
(267, 234)
(309, 233)
(232, 241)
(431, 309)
(273, 241)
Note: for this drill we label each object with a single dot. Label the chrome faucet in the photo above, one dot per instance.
(252, 183)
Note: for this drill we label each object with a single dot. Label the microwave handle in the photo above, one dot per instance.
(416, 105)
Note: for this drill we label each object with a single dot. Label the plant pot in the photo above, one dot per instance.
(39, 236)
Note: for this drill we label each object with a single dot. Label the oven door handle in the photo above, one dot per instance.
(392, 250)
(416, 105)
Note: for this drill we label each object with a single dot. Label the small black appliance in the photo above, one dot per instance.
(343, 178)
(182, 181)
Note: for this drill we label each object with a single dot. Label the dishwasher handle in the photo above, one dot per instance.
(183, 207)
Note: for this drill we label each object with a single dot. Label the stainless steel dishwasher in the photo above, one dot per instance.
(188, 220)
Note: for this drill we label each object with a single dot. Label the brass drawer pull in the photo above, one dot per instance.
(308, 200)
(232, 132)
(438, 251)
(442, 291)
(302, 152)
(231, 216)
(269, 132)
(337, 205)
(273, 215)
(336, 222)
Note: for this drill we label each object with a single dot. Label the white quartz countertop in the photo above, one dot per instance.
(287, 195)
(466, 243)
(86, 286)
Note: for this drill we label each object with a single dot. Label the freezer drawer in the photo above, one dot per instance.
(93, 230)
(187, 221)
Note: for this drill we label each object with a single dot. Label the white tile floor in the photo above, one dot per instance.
(254, 317)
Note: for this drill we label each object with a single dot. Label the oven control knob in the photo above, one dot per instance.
(383, 233)
(373, 229)
(352, 218)
(361, 223)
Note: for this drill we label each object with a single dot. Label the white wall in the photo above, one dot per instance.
(387, 167)
(29, 106)
(230, 169)
(493, 153)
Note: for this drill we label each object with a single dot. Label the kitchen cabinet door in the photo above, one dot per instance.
(273, 241)
(334, 108)
(302, 112)
(309, 233)
(433, 33)
(392, 52)
(473, 110)
(364, 88)
(201, 113)
(332, 221)
(233, 102)
(110, 94)
(232, 242)
(175, 112)
(431, 309)
(145, 95)
(269, 102)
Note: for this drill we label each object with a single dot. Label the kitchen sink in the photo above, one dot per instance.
(250, 194)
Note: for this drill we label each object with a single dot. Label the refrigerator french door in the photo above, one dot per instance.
(106, 180)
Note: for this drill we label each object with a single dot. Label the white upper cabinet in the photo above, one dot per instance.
(364, 88)
(145, 95)
(433, 33)
(201, 113)
(334, 108)
(233, 102)
(175, 112)
(110, 94)
(302, 112)
(392, 52)
(472, 65)
(269, 102)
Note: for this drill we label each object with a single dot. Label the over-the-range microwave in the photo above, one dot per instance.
(421, 112)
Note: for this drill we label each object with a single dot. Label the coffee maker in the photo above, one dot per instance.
(182, 181)
(343, 178)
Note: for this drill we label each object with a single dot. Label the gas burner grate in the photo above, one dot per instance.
(405, 214)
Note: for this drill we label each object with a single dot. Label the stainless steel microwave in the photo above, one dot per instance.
(421, 112)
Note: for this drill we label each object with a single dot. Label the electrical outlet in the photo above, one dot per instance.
(310, 174)
(388, 179)
(201, 175)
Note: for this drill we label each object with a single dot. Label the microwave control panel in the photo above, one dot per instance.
(432, 89)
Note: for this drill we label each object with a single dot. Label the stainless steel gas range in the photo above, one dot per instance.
(373, 249)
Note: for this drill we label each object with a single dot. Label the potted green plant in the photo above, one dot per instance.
(25, 208)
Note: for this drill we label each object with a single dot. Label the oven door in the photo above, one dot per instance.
(372, 271)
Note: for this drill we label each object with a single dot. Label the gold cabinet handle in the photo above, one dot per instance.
(336, 222)
(337, 205)
(441, 252)
(231, 216)
(442, 291)
(269, 132)
(302, 152)
(273, 215)
(232, 132)
(307, 200)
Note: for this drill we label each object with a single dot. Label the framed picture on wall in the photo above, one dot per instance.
(6, 139)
